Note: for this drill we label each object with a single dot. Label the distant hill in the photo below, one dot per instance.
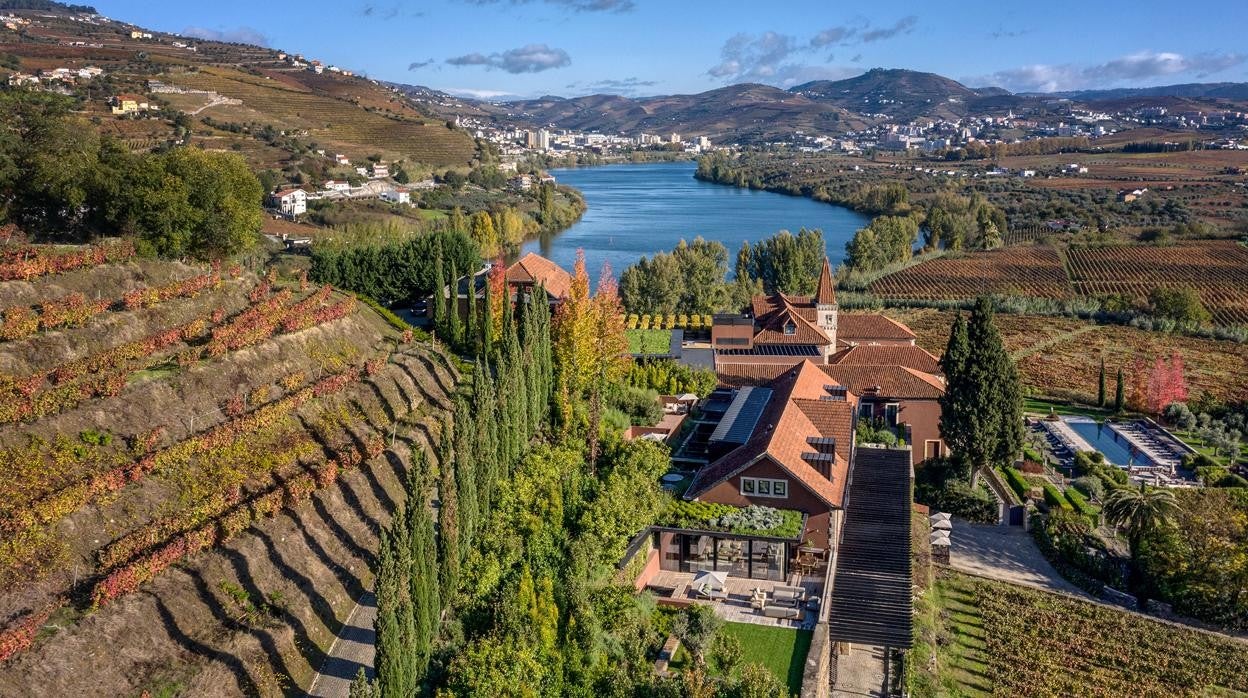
(1191, 90)
(751, 112)
(237, 91)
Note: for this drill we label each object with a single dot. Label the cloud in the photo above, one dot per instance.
(241, 35)
(747, 58)
(905, 25)
(627, 87)
(491, 95)
(533, 58)
(783, 59)
(578, 5)
(417, 65)
(1134, 68)
(833, 36)
(383, 12)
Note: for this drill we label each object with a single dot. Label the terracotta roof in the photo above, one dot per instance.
(779, 310)
(536, 269)
(795, 413)
(864, 327)
(915, 357)
(741, 375)
(826, 293)
(897, 382)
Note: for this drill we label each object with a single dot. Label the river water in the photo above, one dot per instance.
(636, 210)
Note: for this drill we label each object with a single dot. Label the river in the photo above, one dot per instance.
(638, 210)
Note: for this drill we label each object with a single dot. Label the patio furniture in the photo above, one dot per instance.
(707, 592)
(787, 612)
(791, 596)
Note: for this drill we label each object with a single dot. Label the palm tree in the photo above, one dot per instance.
(1140, 513)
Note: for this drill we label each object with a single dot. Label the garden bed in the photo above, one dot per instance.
(723, 518)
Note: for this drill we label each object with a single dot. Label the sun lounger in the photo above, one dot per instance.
(782, 611)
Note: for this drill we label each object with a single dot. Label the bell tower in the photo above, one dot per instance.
(825, 307)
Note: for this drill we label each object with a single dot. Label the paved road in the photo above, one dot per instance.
(353, 649)
(860, 673)
(1006, 553)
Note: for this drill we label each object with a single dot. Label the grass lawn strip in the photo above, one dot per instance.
(649, 341)
(781, 650)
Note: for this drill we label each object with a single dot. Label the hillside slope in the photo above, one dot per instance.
(193, 476)
(235, 85)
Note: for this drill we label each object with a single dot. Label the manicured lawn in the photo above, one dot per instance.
(649, 341)
(1193, 440)
(782, 650)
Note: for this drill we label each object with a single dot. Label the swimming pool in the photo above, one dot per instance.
(1101, 436)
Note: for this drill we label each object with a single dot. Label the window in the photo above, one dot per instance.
(764, 487)
(790, 328)
(932, 448)
(890, 413)
(866, 410)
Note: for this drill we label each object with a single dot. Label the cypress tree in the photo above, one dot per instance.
(982, 408)
(1100, 386)
(487, 324)
(465, 476)
(437, 310)
(1119, 396)
(470, 327)
(955, 403)
(448, 512)
(454, 335)
(392, 678)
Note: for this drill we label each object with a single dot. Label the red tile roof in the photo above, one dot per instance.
(897, 382)
(773, 313)
(794, 413)
(862, 328)
(826, 293)
(536, 269)
(915, 357)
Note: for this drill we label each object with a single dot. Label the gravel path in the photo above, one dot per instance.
(1006, 553)
(352, 650)
(860, 673)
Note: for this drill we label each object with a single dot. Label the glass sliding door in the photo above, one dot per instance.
(767, 560)
(734, 557)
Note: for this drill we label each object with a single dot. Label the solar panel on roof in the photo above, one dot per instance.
(742, 416)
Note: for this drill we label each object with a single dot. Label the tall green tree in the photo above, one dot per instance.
(981, 416)
(1140, 513)
(1120, 399)
(1100, 386)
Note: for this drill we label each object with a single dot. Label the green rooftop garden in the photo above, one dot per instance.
(748, 521)
(649, 341)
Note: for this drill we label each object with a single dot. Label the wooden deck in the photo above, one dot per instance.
(736, 608)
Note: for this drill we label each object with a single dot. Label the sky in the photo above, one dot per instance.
(499, 49)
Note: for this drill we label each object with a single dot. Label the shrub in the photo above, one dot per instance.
(1054, 498)
(1017, 482)
(1090, 486)
(1081, 505)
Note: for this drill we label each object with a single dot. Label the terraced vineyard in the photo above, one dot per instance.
(329, 120)
(1218, 270)
(992, 638)
(1032, 271)
(193, 467)
(1061, 356)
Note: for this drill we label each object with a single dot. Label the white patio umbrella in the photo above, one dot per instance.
(940, 538)
(713, 580)
(940, 516)
(942, 525)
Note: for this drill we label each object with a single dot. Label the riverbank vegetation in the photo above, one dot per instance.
(693, 278)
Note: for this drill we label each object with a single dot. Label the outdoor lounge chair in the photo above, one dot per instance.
(707, 592)
(788, 596)
(782, 611)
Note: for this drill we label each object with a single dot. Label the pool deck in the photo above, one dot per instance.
(1070, 436)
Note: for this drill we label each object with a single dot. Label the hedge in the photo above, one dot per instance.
(1080, 503)
(1017, 482)
(1054, 498)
